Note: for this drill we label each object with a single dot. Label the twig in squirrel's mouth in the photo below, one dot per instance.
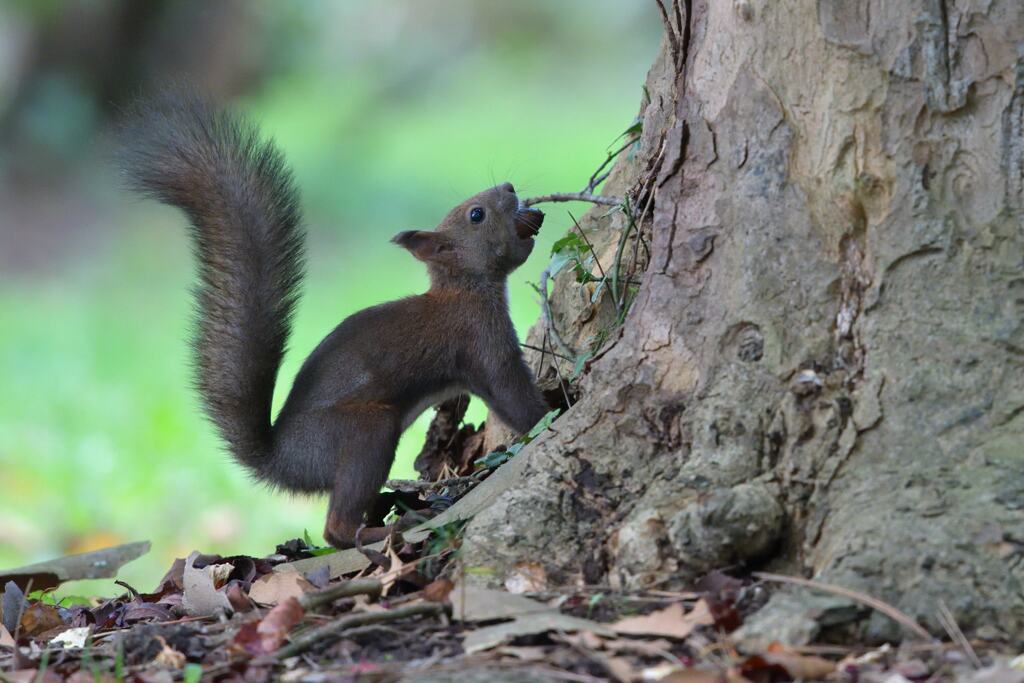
(573, 197)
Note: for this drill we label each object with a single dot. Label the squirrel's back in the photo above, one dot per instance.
(243, 207)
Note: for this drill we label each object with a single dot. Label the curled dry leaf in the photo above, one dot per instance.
(266, 635)
(670, 622)
(275, 588)
(200, 597)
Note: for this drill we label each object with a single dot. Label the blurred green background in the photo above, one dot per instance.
(390, 113)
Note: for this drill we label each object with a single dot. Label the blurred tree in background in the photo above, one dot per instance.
(389, 112)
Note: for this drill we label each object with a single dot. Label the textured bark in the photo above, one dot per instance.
(823, 372)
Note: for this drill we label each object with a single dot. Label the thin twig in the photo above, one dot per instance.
(549, 321)
(334, 629)
(594, 181)
(561, 380)
(346, 589)
(537, 348)
(597, 262)
(874, 603)
(417, 485)
(673, 41)
(573, 197)
(948, 622)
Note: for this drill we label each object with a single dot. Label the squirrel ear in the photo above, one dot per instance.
(424, 244)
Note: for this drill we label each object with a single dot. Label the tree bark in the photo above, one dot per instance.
(823, 370)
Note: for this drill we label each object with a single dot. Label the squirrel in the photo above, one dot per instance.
(379, 368)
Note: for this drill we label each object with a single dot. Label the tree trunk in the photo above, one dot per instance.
(823, 370)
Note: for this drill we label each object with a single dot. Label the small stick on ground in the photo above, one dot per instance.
(346, 589)
(874, 603)
(948, 622)
(334, 629)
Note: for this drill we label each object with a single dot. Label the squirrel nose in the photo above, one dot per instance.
(507, 187)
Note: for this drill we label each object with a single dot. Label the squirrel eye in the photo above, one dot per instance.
(476, 215)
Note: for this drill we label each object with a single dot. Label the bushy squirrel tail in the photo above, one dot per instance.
(247, 237)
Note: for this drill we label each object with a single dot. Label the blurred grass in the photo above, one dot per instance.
(101, 438)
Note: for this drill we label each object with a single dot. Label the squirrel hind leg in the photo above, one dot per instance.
(362, 467)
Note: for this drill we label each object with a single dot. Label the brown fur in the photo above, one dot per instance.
(378, 369)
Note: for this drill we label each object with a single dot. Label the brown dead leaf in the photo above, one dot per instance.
(692, 675)
(6, 640)
(272, 589)
(670, 622)
(438, 590)
(39, 618)
(266, 635)
(784, 665)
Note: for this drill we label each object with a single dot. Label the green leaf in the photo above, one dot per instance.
(542, 426)
(493, 459)
(192, 673)
(577, 368)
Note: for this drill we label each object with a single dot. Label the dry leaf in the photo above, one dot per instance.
(98, 564)
(168, 656)
(73, 637)
(671, 622)
(272, 589)
(472, 603)
(438, 590)
(690, 675)
(789, 664)
(6, 639)
(266, 635)
(542, 622)
(38, 618)
(31, 676)
(200, 597)
(527, 577)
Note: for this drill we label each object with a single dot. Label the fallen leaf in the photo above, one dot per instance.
(488, 637)
(38, 618)
(266, 635)
(99, 564)
(275, 588)
(648, 648)
(527, 577)
(73, 637)
(998, 674)
(472, 603)
(783, 666)
(31, 676)
(671, 622)
(689, 675)
(168, 656)
(532, 653)
(801, 666)
(6, 640)
(200, 598)
(438, 590)
(12, 604)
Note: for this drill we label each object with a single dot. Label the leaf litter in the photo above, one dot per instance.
(408, 609)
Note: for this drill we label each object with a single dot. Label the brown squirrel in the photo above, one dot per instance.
(377, 370)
